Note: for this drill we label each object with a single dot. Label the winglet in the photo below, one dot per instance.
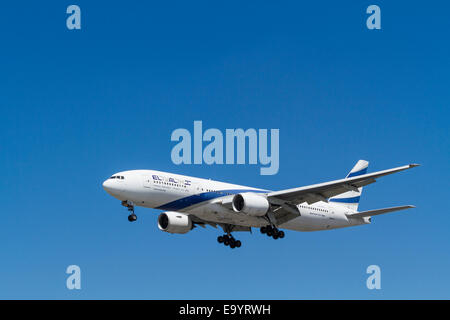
(413, 165)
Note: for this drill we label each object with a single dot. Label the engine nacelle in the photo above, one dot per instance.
(251, 204)
(174, 222)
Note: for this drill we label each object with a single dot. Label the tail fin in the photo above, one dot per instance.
(350, 199)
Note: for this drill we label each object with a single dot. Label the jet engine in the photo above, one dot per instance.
(174, 222)
(251, 204)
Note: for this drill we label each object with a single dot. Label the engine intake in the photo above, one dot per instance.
(251, 204)
(174, 222)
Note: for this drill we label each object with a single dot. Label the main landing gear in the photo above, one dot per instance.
(229, 240)
(272, 232)
(130, 206)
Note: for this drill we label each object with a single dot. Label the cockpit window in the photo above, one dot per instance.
(118, 177)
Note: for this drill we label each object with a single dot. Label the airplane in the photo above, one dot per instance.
(189, 202)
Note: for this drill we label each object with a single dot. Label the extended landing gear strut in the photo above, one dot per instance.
(130, 206)
(272, 232)
(228, 240)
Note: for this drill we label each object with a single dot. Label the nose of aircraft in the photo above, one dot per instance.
(112, 187)
(106, 185)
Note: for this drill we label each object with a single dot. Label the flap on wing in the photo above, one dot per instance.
(285, 213)
(234, 228)
(202, 223)
(371, 213)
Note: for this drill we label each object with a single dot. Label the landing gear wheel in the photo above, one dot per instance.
(130, 207)
(273, 232)
(229, 240)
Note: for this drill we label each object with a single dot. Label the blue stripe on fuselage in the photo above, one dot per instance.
(201, 197)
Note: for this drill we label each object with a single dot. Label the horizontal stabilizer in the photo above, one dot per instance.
(371, 213)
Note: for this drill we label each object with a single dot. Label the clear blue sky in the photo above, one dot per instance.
(77, 106)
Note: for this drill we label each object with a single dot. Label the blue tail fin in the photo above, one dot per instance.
(350, 199)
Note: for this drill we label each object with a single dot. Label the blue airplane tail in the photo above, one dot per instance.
(350, 199)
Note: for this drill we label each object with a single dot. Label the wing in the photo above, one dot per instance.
(323, 191)
(225, 226)
(202, 223)
(281, 212)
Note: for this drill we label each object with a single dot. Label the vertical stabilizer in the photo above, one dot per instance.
(350, 199)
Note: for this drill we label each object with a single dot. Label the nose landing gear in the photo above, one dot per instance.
(272, 232)
(228, 240)
(130, 206)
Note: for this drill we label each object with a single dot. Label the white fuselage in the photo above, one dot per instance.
(203, 198)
